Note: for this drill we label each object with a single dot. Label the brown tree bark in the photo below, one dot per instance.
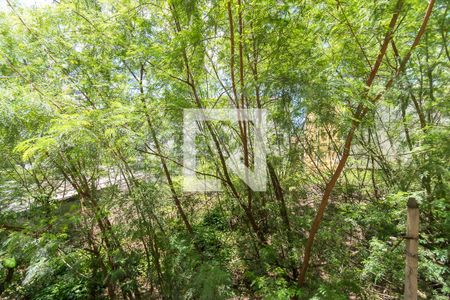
(175, 197)
(359, 116)
(192, 84)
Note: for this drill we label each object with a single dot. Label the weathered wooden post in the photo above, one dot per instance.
(412, 244)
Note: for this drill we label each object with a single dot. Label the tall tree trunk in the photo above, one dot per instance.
(175, 197)
(191, 82)
(359, 116)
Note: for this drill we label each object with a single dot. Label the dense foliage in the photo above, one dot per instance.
(92, 94)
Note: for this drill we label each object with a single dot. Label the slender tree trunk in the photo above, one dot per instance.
(191, 82)
(175, 197)
(329, 188)
(359, 116)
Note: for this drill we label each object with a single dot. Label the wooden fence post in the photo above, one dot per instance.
(412, 244)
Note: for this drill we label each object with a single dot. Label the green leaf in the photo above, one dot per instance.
(9, 263)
